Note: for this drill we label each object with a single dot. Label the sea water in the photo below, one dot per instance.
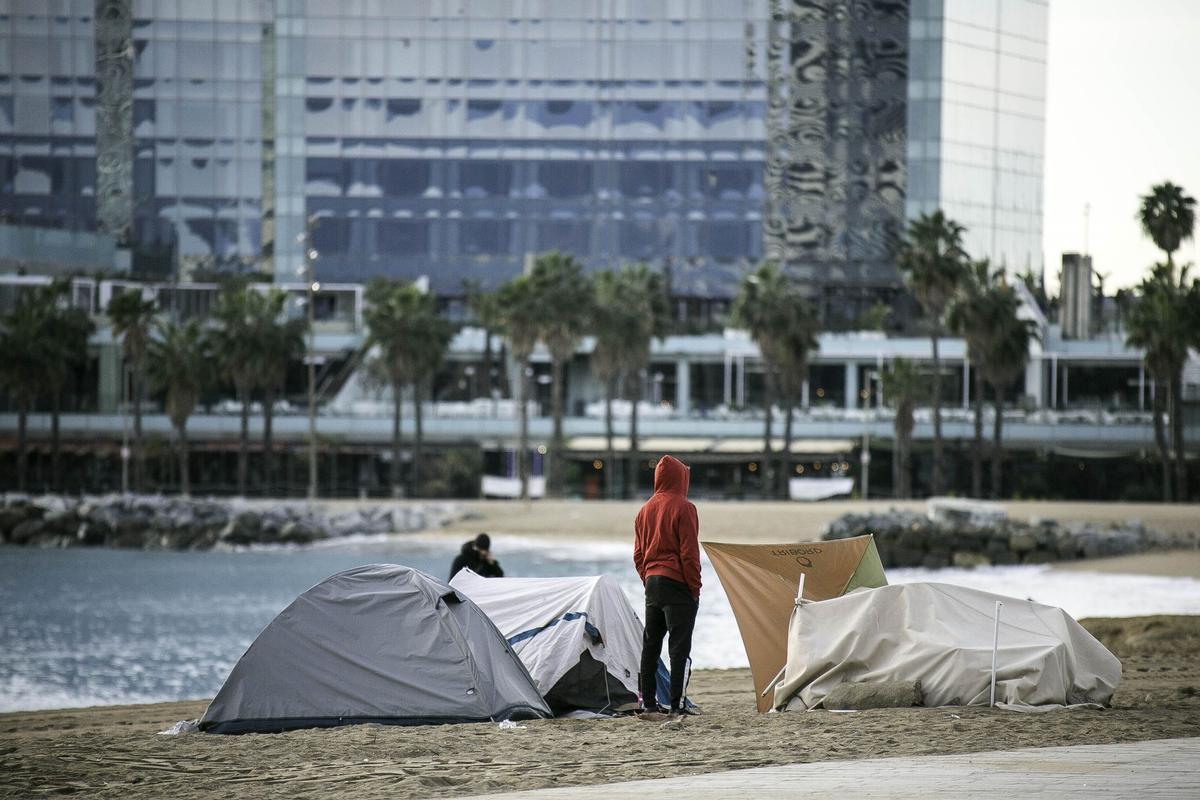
(94, 627)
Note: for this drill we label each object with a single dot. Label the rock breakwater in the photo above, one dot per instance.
(936, 540)
(173, 523)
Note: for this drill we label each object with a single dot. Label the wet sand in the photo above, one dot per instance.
(115, 752)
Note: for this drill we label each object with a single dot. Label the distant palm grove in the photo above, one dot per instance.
(251, 346)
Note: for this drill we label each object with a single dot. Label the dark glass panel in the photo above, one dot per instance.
(479, 179)
(404, 177)
(403, 237)
(484, 236)
(565, 179)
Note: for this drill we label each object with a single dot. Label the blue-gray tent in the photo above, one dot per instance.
(381, 643)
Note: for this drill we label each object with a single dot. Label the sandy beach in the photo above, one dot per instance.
(115, 752)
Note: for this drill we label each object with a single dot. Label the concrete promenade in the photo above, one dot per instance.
(1143, 770)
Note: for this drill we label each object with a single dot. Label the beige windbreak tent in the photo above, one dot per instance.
(761, 581)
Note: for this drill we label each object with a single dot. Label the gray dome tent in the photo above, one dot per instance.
(380, 643)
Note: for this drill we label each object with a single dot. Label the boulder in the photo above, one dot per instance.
(1022, 541)
(25, 531)
(969, 559)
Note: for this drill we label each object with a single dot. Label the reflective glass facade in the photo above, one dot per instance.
(197, 118)
(48, 114)
(451, 139)
(977, 99)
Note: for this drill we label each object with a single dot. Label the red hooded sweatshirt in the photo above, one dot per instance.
(666, 529)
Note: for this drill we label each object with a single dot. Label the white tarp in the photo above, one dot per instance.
(552, 622)
(819, 488)
(498, 486)
(941, 635)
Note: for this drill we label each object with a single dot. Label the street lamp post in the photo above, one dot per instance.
(310, 257)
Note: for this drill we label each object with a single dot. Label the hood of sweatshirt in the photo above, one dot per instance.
(671, 477)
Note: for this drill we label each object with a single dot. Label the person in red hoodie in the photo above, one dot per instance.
(666, 553)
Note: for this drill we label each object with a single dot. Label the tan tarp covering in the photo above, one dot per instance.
(761, 581)
(942, 635)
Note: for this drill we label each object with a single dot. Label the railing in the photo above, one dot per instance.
(338, 308)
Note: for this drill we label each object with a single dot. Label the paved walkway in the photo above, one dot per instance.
(1142, 770)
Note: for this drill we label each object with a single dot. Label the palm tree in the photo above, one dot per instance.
(933, 261)
(769, 305)
(630, 311)
(24, 351)
(520, 318)
(970, 316)
(238, 313)
(612, 314)
(565, 294)
(1004, 356)
(412, 341)
(903, 387)
(797, 339)
(133, 319)
(66, 335)
(1161, 323)
(486, 308)
(1167, 215)
(280, 342)
(179, 362)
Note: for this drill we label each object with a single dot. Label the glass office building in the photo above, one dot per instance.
(976, 122)
(452, 139)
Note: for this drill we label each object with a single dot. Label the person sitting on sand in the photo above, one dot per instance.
(666, 553)
(467, 558)
(488, 567)
(476, 555)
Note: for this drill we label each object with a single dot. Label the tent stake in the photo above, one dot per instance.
(995, 647)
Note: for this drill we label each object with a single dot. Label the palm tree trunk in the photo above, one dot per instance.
(487, 363)
(417, 439)
(977, 449)
(784, 474)
(139, 448)
(1181, 488)
(1160, 437)
(523, 439)
(557, 461)
(55, 440)
(634, 467)
(937, 412)
(397, 393)
(905, 466)
(997, 444)
(22, 443)
(243, 440)
(268, 441)
(897, 493)
(765, 479)
(185, 483)
(611, 455)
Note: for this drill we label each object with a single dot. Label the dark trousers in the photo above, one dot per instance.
(671, 613)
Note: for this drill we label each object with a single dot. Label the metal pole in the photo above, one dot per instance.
(310, 255)
(312, 388)
(124, 431)
(995, 647)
